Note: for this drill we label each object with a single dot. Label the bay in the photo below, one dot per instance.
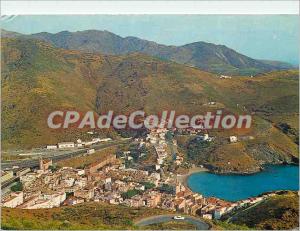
(238, 187)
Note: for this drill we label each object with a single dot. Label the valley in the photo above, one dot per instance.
(48, 79)
(110, 178)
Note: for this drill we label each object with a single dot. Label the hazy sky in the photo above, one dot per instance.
(273, 37)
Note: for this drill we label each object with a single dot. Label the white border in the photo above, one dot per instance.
(148, 7)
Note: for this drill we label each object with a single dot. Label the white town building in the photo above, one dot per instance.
(51, 147)
(13, 200)
(66, 145)
(233, 139)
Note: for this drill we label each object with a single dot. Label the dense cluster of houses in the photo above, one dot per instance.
(156, 137)
(44, 188)
(109, 180)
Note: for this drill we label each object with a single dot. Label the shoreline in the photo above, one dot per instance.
(183, 178)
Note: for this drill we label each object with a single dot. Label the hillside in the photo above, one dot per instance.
(189, 90)
(206, 56)
(84, 161)
(276, 213)
(87, 216)
(38, 78)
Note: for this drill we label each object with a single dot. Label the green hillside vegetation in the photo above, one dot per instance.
(221, 225)
(206, 56)
(36, 81)
(87, 216)
(38, 78)
(276, 213)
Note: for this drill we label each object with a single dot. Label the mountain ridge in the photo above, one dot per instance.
(209, 57)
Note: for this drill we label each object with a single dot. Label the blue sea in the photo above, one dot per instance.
(238, 187)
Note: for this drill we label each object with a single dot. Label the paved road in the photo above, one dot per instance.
(56, 155)
(201, 225)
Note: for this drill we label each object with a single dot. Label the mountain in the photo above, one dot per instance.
(10, 34)
(38, 78)
(206, 56)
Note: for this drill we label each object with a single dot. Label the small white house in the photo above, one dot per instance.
(140, 187)
(160, 161)
(87, 143)
(90, 151)
(96, 140)
(51, 147)
(80, 172)
(205, 137)
(13, 200)
(107, 180)
(79, 145)
(225, 77)
(129, 158)
(66, 145)
(207, 216)
(232, 139)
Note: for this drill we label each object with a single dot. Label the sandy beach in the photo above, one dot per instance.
(183, 178)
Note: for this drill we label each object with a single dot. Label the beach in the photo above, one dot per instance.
(184, 177)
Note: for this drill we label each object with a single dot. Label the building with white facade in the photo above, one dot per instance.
(51, 147)
(66, 145)
(232, 139)
(13, 200)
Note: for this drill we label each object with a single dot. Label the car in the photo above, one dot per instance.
(178, 218)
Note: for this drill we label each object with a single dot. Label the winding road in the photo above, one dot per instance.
(200, 224)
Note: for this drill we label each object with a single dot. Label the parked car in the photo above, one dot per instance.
(178, 218)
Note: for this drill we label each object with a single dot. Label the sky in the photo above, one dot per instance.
(272, 37)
